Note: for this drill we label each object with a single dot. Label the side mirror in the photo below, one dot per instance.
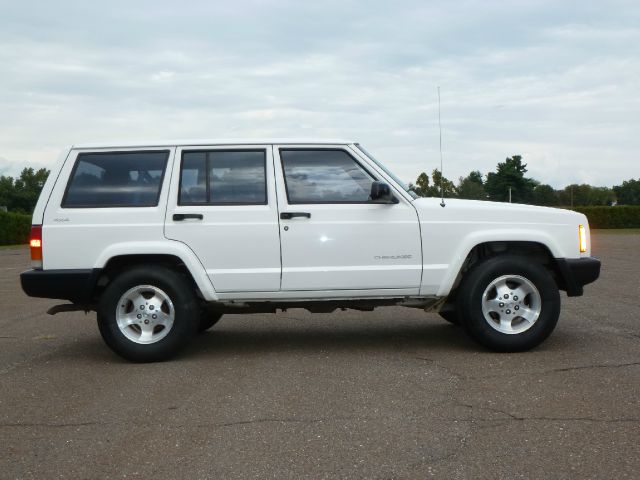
(381, 193)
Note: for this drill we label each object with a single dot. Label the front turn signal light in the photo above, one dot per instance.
(582, 235)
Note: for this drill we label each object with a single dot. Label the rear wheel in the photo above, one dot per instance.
(508, 304)
(148, 314)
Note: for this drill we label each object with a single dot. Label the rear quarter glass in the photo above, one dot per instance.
(116, 179)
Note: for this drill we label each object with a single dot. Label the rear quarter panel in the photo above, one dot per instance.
(76, 237)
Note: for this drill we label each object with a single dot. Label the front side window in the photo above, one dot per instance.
(223, 177)
(116, 179)
(324, 176)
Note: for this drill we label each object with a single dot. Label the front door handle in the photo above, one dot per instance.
(290, 215)
(178, 217)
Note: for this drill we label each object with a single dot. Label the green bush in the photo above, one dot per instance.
(14, 228)
(620, 216)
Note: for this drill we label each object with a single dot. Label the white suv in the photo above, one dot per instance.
(161, 239)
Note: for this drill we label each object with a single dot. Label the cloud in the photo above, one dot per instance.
(553, 82)
(13, 169)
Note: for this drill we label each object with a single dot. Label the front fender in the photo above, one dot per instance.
(475, 238)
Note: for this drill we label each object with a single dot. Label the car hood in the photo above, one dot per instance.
(493, 212)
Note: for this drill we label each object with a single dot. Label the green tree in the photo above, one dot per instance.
(21, 194)
(424, 188)
(441, 183)
(602, 196)
(628, 193)
(510, 174)
(586, 195)
(545, 195)
(471, 187)
(6, 191)
(421, 187)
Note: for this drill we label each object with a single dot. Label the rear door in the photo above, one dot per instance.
(333, 237)
(222, 205)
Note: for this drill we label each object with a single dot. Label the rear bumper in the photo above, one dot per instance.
(77, 286)
(575, 273)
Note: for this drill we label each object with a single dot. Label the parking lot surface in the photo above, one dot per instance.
(394, 393)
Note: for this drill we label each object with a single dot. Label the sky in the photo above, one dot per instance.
(556, 82)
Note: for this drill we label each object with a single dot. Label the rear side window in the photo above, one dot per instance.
(116, 179)
(324, 176)
(223, 177)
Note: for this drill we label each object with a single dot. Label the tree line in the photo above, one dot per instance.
(509, 180)
(21, 194)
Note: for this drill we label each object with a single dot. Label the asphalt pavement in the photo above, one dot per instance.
(394, 393)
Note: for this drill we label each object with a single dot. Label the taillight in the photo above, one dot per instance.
(35, 244)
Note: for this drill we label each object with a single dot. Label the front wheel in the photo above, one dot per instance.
(450, 316)
(508, 304)
(148, 314)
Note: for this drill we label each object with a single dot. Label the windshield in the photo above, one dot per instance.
(387, 171)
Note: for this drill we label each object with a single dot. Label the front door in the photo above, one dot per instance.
(223, 206)
(333, 237)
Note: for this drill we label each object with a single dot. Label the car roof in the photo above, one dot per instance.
(213, 142)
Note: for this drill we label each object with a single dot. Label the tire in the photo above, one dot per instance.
(208, 320)
(492, 312)
(156, 332)
(450, 316)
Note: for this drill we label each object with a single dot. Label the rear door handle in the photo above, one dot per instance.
(178, 217)
(290, 215)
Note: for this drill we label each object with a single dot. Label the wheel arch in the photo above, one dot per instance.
(536, 251)
(175, 255)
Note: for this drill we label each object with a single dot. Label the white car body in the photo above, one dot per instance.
(413, 248)
(352, 250)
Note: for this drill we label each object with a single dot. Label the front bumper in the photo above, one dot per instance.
(575, 273)
(77, 286)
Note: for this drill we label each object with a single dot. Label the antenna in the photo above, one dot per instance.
(442, 204)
